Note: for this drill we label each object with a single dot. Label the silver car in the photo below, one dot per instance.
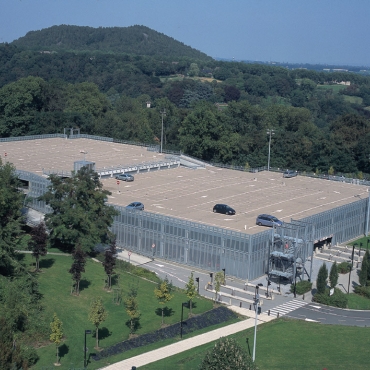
(136, 205)
(290, 173)
(125, 177)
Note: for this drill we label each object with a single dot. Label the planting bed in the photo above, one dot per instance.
(212, 317)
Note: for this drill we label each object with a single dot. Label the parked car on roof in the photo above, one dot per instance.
(223, 208)
(268, 220)
(125, 177)
(136, 205)
(290, 173)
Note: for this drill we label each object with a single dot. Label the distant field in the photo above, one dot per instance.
(181, 77)
(334, 88)
(353, 99)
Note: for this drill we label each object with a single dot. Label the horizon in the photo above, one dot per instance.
(254, 30)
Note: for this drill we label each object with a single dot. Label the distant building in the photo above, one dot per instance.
(221, 106)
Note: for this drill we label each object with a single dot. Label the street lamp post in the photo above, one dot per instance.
(163, 113)
(197, 280)
(85, 349)
(256, 303)
(269, 132)
(295, 282)
(182, 316)
(349, 277)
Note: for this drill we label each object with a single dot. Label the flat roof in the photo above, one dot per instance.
(189, 194)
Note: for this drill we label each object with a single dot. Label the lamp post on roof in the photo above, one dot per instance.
(269, 132)
(163, 113)
(84, 152)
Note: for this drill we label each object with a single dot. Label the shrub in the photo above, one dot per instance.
(343, 267)
(302, 287)
(212, 317)
(363, 290)
(227, 354)
(29, 355)
(338, 299)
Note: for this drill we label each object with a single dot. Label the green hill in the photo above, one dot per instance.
(139, 40)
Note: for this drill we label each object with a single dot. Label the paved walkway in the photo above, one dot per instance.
(185, 344)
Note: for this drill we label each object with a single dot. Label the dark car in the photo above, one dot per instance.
(268, 220)
(136, 205)
(125, 177)
(289, 173)
(223, 208)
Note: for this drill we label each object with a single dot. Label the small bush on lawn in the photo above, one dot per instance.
(343, 267)
(363, 290)
(302, 287)
(338, 299)
(212, 317)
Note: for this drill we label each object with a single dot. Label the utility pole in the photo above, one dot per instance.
(163, 113)
(256, 304)
(269, 132)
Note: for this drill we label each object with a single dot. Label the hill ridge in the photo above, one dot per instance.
(136, 39)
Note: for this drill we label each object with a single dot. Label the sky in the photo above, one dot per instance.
(290, 31)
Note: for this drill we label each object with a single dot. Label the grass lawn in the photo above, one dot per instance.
(358, 302)
(55, 285)
(334, 88)
(365, 243)
(353, 99)
(290, 344)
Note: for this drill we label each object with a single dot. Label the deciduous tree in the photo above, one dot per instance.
(38, 242)
(110, 261)
(163, 293)
(56, 335)
(78, 267)
(97, 315)
(191, 290)
(219, 280)
(132, 309)
(80, 214)
(11, 235)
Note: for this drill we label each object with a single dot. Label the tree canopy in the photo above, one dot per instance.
(80, 214)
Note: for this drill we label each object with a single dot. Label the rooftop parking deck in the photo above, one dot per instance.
(187, 193)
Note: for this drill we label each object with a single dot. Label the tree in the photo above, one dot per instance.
(56, 335)
(80, 214)
(10, 356)
(38, 242)
(131, 306)
(227, 354)
(364, 272)
(333, 276)
(19, 101)
(163, 293)
(191, 290)
(11, 235)
(219, 280)
(78, 266)
(110, 261)
(321, 279)
(97, 315)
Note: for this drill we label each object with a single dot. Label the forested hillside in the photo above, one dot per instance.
(217, 111)
(136, 40)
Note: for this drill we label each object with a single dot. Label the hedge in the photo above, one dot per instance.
(338, 299)
(212, 317)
